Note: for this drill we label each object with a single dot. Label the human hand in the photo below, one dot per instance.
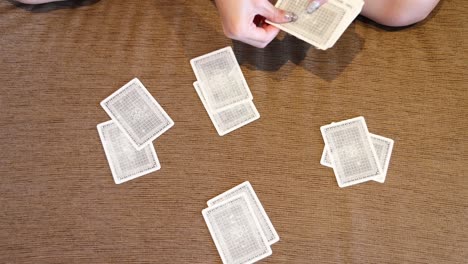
(238, 20)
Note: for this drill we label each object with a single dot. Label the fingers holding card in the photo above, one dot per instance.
(322, 27)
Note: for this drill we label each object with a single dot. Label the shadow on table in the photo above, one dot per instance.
(328, 64)
(199, 31)
(204, 34)
(41, 8)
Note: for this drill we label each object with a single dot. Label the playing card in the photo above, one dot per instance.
(322, 27)
(137, 113)
(246, 188)
(126, 163)
(325, 159)
(221, 80)
(231, 118)
(353, 8)
(351, 152)
(383, 148)
(236, 231)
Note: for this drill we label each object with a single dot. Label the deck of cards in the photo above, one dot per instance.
(239, 226)
(137, 120)
(223, 90)
(324, 26)
(355, 155)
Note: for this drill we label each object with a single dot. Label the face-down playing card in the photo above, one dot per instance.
(126, 163)
(236, 231)
(221, 80)
(137, 113)
(383, 148)
(351, 152)
(231, 118)
(247, 189)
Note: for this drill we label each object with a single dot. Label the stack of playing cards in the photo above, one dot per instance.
(240, 228)
(137, 120)
(324, 26)
(223, 90)
(355, 155)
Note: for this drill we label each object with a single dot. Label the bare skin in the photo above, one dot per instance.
(237, 16)
(398, 13)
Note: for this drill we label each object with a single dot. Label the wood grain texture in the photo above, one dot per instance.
(58, 202)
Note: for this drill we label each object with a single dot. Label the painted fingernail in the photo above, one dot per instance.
(314, 5)
(290, 16)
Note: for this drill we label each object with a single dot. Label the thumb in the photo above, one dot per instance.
(276, 15)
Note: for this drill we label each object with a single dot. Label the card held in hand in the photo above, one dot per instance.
(236, 231)
(126, 163)
(137, 113)
(323, 27)
(351, 152)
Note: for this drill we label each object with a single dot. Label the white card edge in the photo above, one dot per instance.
(341, 184)
(211, 114)
(386, 162)
(111, 164)
(145, 90)
(198, 77)
(218, 247)
(331, 41)
(389, 154)
(211, 203)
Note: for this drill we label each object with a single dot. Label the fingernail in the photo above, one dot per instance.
(290, 16)
(314, 5)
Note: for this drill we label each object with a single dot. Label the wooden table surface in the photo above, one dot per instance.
(58, 201)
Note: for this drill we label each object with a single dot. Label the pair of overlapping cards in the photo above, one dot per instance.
(223, 90)
(355, 155)
(239, 226)
(137, 120)
(324, 26)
